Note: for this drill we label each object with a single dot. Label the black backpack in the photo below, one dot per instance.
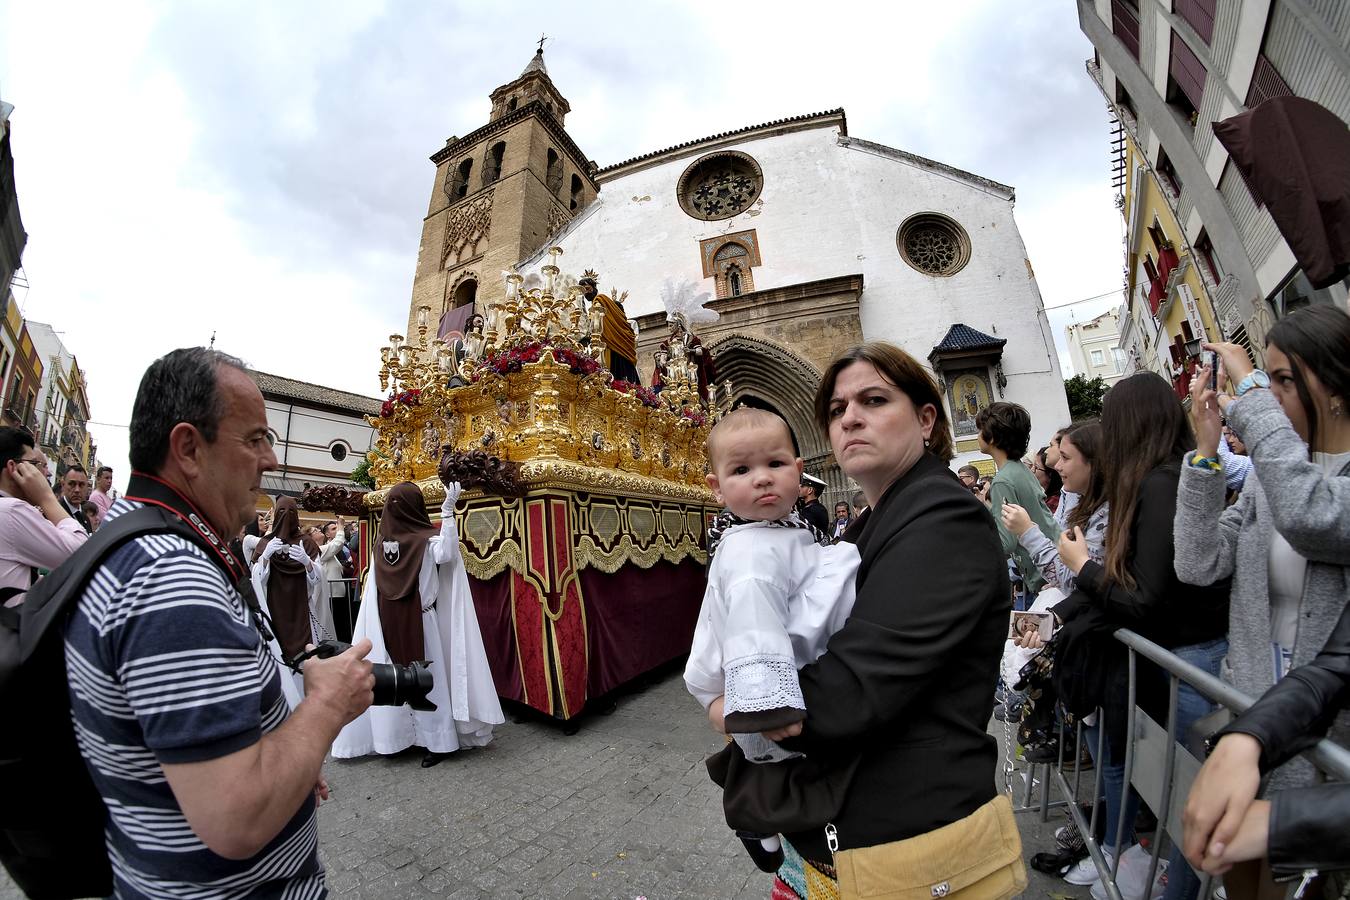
(51, 816)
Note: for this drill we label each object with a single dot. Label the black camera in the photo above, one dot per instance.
(395, 685)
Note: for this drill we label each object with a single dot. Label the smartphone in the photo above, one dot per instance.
(1212, 360)
(1024, 623)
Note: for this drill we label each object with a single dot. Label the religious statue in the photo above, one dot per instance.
(431, 441)
(683, 309)
(681, 348)
(620, 345)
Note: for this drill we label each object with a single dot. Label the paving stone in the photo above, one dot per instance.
(622, 809)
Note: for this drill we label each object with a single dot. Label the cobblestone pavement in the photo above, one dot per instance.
(623, 809)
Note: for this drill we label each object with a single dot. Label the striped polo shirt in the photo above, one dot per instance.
(165, 666)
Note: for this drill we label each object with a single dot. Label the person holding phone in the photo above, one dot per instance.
(36, 532)
(1145, 435)
(1286, 541)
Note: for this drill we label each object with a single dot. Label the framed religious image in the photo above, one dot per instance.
(1023, 623)
(968, 392)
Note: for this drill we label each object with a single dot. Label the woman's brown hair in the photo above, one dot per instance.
(901, 370)
(1143, 427)
(1086, 437)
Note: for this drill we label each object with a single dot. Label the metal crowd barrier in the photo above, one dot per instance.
(1157, 765)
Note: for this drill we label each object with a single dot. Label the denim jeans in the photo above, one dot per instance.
(1182, 883)
(1191, 707)
(1113, 788)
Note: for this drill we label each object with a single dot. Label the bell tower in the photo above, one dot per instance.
(499, 193)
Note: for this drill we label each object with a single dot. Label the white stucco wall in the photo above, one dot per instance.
(831, 207)
(305, 436)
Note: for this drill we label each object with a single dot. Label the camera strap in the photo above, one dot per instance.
(148, 489)
(153, 491)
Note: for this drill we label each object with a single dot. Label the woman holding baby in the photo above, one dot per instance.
(894, 741)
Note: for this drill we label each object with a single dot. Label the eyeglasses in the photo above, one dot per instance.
(39, 461)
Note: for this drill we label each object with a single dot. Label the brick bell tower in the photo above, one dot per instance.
(499, 194)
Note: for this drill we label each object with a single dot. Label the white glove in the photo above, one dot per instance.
(297, 553)
(276, 545)
(452, 492)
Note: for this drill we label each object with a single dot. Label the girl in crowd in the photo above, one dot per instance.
(416, 607)
(1286, 541)
(1144, 435)
(903, 687)
(1048, 477)
(1077, 468)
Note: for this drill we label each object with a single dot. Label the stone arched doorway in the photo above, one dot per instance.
(785, 382)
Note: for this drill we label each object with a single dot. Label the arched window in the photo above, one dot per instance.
(465, 293)
(458, 186)
(511, 105)
(554, 177)
(576, 193)
(734, 280)
(492, 166)
(731, 269)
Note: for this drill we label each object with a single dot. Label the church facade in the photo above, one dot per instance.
(809, 239)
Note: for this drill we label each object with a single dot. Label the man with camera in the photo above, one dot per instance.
(36, 532)
(210, 782)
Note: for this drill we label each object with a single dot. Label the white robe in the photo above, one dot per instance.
(773, 599)
(292, 683)
(466, 699)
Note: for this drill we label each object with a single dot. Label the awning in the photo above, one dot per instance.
(1295, 155)
(276, 484)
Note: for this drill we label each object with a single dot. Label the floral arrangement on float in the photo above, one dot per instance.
(528, 386)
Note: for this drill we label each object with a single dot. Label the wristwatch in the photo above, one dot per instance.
(1255, 378)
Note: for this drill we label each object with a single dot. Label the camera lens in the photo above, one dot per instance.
(396, 685)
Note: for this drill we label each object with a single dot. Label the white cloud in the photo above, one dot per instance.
(260, 170)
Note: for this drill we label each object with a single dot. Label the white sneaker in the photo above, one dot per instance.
(1085, 873)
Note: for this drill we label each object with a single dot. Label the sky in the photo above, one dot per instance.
(258, 170)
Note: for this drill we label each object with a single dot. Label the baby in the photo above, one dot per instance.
(776, 590)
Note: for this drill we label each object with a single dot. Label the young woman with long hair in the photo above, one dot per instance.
(1285, 542)
(1144, 435)
(1078, 472)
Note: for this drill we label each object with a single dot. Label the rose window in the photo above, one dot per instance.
(720, 185)
(933, 244)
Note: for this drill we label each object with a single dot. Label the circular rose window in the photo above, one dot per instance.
(720, 185)
(933, 244)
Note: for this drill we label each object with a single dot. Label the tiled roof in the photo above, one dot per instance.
(963, 337)
(713, 137)
(291, 389)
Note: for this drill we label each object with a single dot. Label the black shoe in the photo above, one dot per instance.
(1045, 753)
(765, 860)
(431, 759)
(1057, 863)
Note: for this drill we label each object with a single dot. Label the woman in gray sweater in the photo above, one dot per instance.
(1286, 542)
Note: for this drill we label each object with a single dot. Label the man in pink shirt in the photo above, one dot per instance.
(102, 495)
(35, 530)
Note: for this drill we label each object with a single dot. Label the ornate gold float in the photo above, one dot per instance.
(593, 572)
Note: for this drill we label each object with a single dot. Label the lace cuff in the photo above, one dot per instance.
(759, 683)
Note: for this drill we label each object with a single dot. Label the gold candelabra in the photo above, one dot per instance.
(412, 365)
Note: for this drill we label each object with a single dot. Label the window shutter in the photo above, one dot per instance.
(1187, 70)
